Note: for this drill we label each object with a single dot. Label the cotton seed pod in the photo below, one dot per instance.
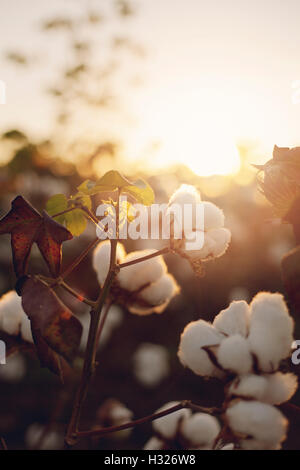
(200, 430)
(234, 319)
(195, 336)
(160, 291)
(259, 425)
(234, 355)
(140, 274)
(101, 259)
(168, 426)
(271, 330)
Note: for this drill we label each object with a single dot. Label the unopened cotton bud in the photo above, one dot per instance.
(140, 274)
(101, 259)
(271, 330)
(160, 291)
(279, 387)
(195, 336)
(234, 355)
(263, 425)
(168, 426)
(234, 319)
(213, 216)
(154, 444)
(200, 430)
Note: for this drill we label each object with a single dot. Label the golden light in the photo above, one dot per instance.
(193, 129)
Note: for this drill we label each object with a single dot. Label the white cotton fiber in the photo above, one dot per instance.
(234, 319)
(167, 426)
(260, 421)
(160, 291)
(140, 274)
(249, 386)
(185, 194)
(11, 313)
(205, 251)
(26, 329)
(221, 237)
(234, 355)
(279, 387)
(200, 430)
(213, 216)
(101, 259)
(154, 444)
(194, 337)
(271, 330)
(151, 364)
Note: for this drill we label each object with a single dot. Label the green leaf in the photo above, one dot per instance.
(141, 191)
(75, 220)
(111, 181)
(57, 204)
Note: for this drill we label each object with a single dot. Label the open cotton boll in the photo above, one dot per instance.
(52, 441)
(140, 274)
(167, 426)
(14, 370)
(200, 430)
(26, 329)
(213, 216)
(194, 337)
(11, 313)
(279, 388)
(151, 364)
(160, 291)
(234, 319)
(221, 237)
(249, 386)
(271, 330)
(234, 355)
(185, 194)
(229, 446)
(205, 251)
(101, 259)
(260, 421)
(154, 444)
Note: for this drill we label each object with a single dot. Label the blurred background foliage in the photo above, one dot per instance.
(37, 170)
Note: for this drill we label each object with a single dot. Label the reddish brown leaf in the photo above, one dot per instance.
(27, 226)
(48, 358)
(50, 318)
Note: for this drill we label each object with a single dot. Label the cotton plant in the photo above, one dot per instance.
(245, 346)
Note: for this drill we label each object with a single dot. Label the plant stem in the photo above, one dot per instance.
(163, 251)
(91, 349)
(3, 443)
(76, 294)
(102, 321)
(184, 404)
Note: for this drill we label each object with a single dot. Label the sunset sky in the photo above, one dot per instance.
(216, 72)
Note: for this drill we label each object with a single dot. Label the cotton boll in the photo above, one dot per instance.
(200, 430)
(279, 388)
(114, 413)
(234, 355)
(11, 313)
(185, 194)
(160, 291)
(213, 216)
(195, 336)
(137, 309)
(140, 274)
(249, 386)
(52, 440)
(167, 426)
(151, 364)
(154, 444)
(229, 446)
(14, 370)
(205, 251)
(234, 319)
(262, 422)
(221, 237)
(101, 259)
(271, 330)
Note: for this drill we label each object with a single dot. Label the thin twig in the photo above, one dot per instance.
(184, 404)
(76, 294)
(163, 251)
(102, 321)
(3, 444)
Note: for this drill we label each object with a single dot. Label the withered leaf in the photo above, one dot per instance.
(51, 321)
(27, 226)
